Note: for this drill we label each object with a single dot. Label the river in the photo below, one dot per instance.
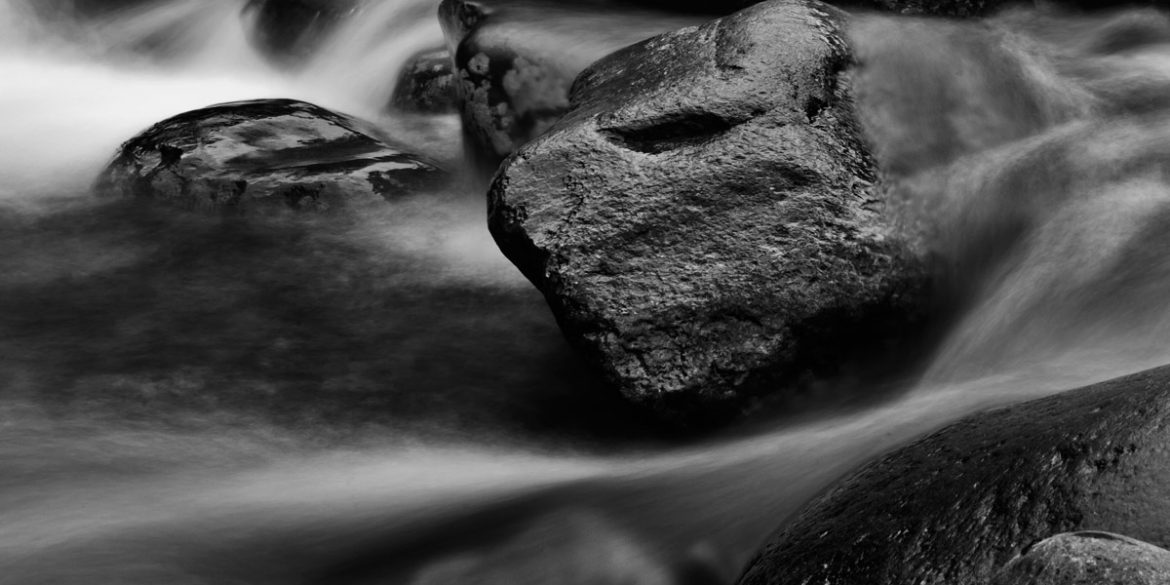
(387, 400)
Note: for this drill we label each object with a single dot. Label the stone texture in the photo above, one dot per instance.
(955, 506)
(1087, 558)
(427, 84)
(977, 8)
(515, 62)
(703, 223)
(269, 155)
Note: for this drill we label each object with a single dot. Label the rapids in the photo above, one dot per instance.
(386, 400)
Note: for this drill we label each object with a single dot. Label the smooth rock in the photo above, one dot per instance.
(952, 508)
(566, 548)
(1087, 558)
(289, 31)
(427, 84)
(515, 62)
(703, 222)
(243, 157)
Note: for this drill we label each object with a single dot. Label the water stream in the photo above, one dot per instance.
(386, 400)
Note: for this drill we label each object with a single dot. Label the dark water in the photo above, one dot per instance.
(386, 400)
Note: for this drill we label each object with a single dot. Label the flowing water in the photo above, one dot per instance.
(386, 400)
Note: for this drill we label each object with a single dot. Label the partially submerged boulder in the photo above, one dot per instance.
(87, 8)
(289, 31)
(703, 221)
(1087, 558)
(954, 507)
(242, 157)
(427, 84)
(515, 62)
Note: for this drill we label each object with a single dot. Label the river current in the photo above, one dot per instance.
(387, 400)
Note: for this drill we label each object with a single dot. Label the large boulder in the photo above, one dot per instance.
(703, 222)
(515, 62)
(1087, 558)
(265, 156)
(952, 508)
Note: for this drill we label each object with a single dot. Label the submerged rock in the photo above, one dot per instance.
(86, 8)
(575, 548)
(954, 507)
(703, 221)
(427, 84)
(264, 154)
(1087, 558)
(515, 62)
(291, 30)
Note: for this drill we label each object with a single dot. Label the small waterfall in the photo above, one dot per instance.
(363, 59)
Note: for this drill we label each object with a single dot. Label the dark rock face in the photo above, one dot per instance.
(703, 222)
(427, 84)
(242, 157)
(1088, 558)
(955, 506)
(290, 30)
(515, 63)
(713, 7)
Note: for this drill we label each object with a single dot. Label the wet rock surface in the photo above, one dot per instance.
(271, 155)
(954, 507)
(977, 8)
(290, 30)
(703, 221)
(515, 62)
(1087, 558)
(427, 84)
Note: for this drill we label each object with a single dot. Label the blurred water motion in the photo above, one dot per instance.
(385, 399)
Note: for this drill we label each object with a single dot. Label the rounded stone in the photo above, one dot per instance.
(265, 155)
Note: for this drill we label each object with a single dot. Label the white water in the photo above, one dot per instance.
(137, 449)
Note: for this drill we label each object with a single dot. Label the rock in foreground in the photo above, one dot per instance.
(703, 222)
(1088, 558)
(266, 154)
(953, 507)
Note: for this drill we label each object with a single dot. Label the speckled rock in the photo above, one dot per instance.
(703, 221)
(954, 507)
(1087, 558)
(515, 62)
(244, 157)
(427, 84)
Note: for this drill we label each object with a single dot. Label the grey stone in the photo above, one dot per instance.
(427, 84)
(288, 31)
(703, 222)
(953, 507)
(265, 156)
(515, 62)
(1087, 558)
